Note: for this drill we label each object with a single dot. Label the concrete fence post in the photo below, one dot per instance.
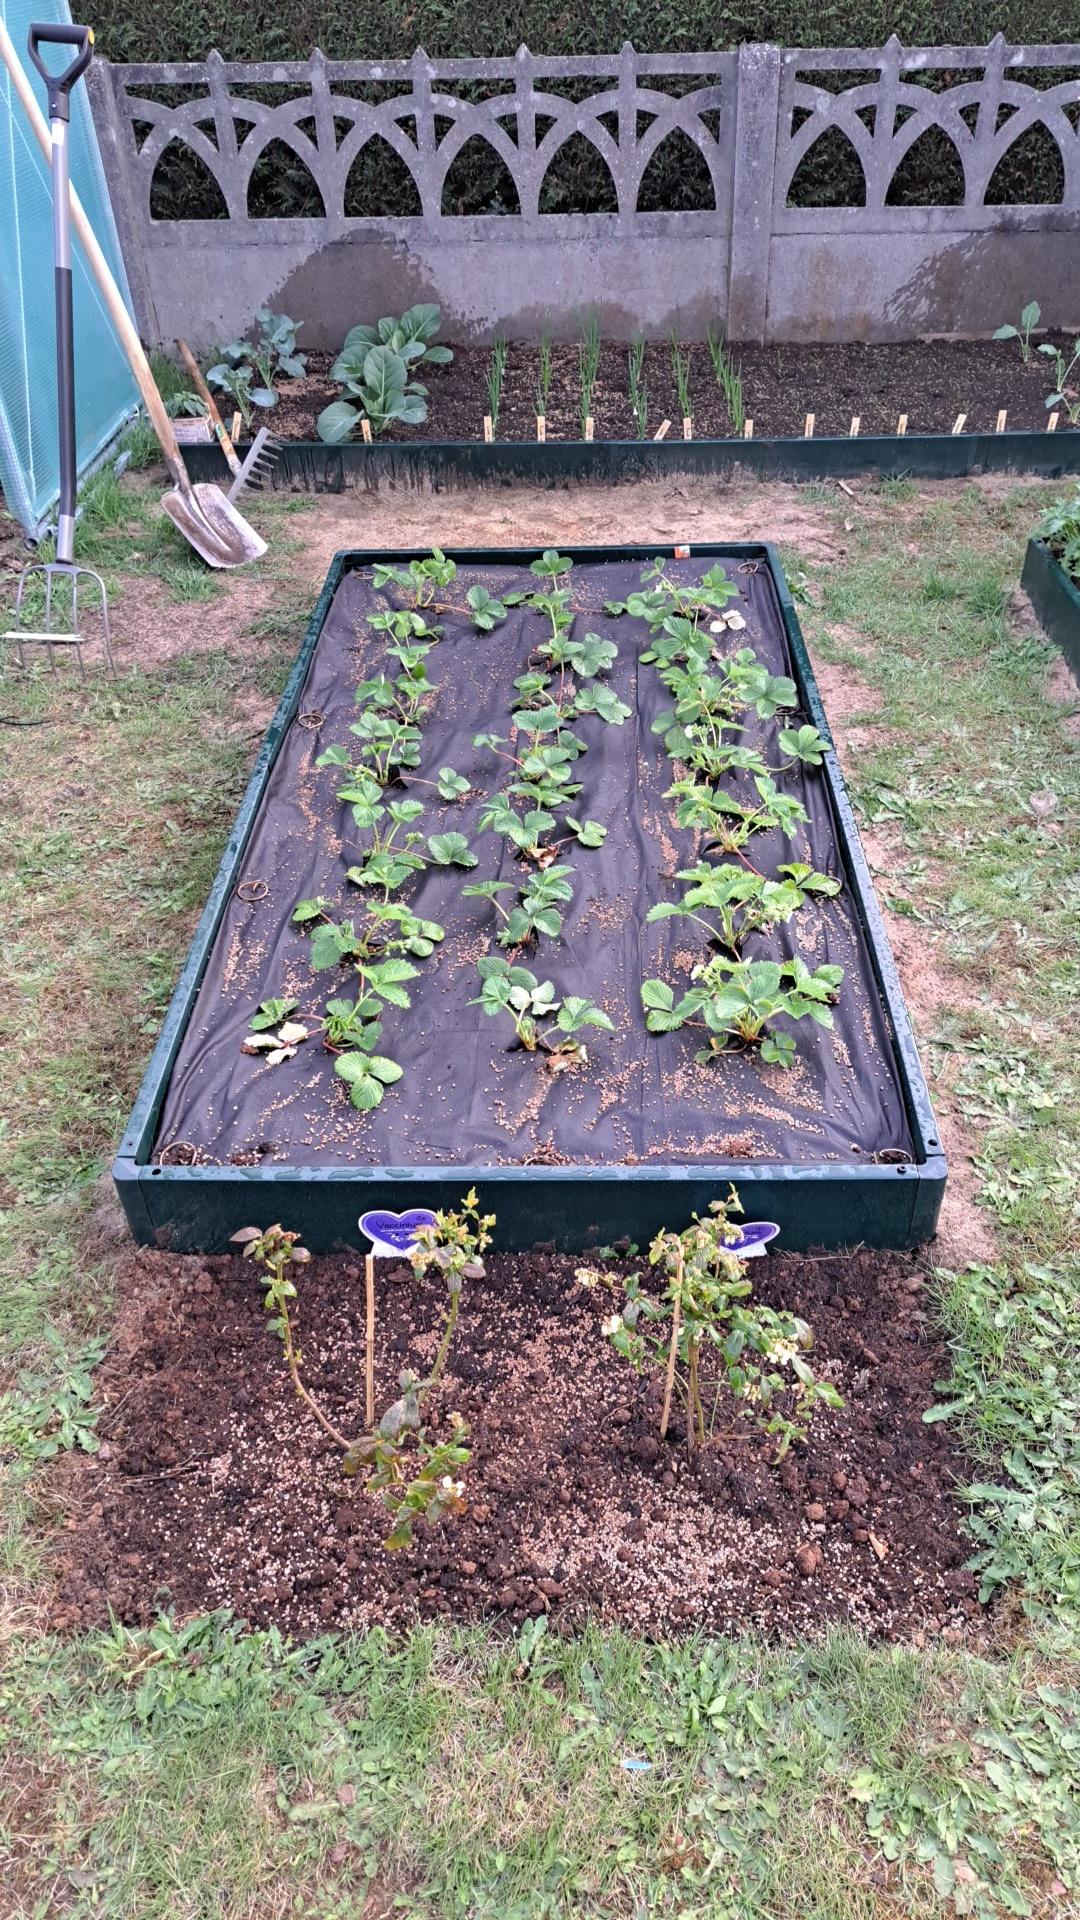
(757, 105)
(114, 143)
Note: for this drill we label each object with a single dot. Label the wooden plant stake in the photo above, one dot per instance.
(588, 426)
(808, 427)
(901, 425)
(748, 430)
(365, 428)
(853, 430)
(489, 432)
(1051, 425)
(369, 1348)
(541, 427)
(687, 427)
(1001, 419)
(676, 1317)
(958, 423)
(662, 430)
(237, 423)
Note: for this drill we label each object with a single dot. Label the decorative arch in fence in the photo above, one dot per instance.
(956, 243)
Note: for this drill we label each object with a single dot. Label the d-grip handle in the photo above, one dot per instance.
(49, 33)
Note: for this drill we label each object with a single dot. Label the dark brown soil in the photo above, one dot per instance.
(216, 1488)
(931, 381)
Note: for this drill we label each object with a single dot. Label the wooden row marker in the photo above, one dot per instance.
(748, 430)
(541, 426)
(1051, 425)
(489, 431)
(687, 427)
(588, 426)
(808, 427)
(958, 423)
(853, 430)
(365, 428)
(662, 430)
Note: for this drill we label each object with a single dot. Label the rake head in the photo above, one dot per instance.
(51, 574)
(259, 463)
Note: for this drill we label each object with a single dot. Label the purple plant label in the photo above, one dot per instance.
(394, 1234)
(752, 1239)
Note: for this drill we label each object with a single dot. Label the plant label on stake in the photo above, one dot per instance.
(752, 1239)
(392, 1236)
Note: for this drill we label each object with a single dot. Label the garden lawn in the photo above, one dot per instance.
(195, 1770)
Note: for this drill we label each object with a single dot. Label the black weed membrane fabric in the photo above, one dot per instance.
(468, 1096)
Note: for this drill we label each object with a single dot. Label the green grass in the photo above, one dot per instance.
(200, 1772)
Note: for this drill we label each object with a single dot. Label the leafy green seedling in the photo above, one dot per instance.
(486, 610)
(451, 784)
(736, 1002)
(529, 1003)
(1029, 320)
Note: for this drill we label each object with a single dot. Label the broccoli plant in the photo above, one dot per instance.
(529, 1003)
(706, 1301)
(249, 374)
(735, 1003)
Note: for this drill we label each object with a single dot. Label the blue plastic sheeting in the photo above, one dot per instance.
(105, 389)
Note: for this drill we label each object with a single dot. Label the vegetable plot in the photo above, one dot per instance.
(546, 874)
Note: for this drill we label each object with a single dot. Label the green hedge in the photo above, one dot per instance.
(359, 30)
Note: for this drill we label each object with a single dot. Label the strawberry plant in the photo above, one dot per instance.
(529, 1003)
(742, 901)
(736, 1001)
(421, 578)
(537, 909)
(706, 1305)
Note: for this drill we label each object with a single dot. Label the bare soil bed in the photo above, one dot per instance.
(216, 1488)
(931, 381)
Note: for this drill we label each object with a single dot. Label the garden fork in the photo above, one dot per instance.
(63, 567)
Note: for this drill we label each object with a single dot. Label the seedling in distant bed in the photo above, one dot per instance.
(735, 1003)
(706, 1300)
(496, 373)
(543, 377)
(1064, 394)
(588, 366)
(680, 373)
(639, 393)
(529, 1003)
(1029, 320)
(249, 374)
(728, 377)
(377, 380)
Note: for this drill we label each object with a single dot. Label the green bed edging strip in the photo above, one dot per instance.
(1056, 601)
(196, 1208)
(308, 466)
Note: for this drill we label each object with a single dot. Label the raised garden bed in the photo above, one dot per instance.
(838, 1147)
(1056, 600)
(966, 407)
